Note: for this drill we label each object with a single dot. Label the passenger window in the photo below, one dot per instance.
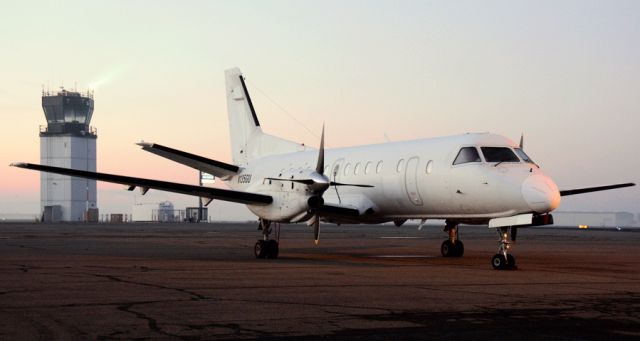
(499, 154)
(379, 167)
(466, 155)
(367, 168)
(429, 166)
(400, 165)
(346, 169)
(356, 169)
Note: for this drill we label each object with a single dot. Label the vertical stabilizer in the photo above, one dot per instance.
(243, 121)
(248, 142)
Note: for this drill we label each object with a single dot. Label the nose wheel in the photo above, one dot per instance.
(266, 247)
(503, 260)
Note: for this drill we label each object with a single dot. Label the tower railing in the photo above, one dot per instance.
(91, 131)
(65, 92)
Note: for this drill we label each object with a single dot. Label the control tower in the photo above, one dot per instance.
(68, 141)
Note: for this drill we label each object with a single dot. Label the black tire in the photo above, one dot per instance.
(498, 262)
(459, 248)
(511, 262)
(260, 249)
(447, 249)
(272, 249)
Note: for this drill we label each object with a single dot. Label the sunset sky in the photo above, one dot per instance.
(566, 73)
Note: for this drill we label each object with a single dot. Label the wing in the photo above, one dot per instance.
(146, 184)
(333, 210)
(217, 168)
(593, 189)
(339, 214)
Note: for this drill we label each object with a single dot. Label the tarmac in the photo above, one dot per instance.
(202, 281)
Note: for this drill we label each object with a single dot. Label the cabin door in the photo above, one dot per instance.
(411, 181)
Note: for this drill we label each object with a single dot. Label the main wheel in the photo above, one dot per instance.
(499, 262)
(459, 246)
(447, 249)
(260, 249)
(272, 249)
(511, 262)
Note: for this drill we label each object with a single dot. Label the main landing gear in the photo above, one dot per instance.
(503, 260)
(452, 247)
(265, 247)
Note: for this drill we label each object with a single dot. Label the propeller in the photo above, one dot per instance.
(311, 182)
(324, 186)
(318, 183)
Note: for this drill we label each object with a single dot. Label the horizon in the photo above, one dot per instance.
(563, 73)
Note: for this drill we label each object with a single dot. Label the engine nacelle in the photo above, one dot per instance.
(315, 201)
(287, 206)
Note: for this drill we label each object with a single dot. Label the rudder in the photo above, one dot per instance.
(248, 142)
(243, 121)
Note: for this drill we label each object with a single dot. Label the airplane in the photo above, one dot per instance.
(473, 178)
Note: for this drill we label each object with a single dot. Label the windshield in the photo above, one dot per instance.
(466, 155)
(524, 156)
(499, 154)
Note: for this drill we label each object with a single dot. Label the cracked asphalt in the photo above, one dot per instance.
(201, 281)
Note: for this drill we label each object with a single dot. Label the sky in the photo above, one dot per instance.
(564, 73)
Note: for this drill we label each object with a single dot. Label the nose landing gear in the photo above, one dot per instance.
(267, 248)
(503, 260)
(452, 247)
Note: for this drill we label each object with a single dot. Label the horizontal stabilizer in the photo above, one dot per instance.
(217, 168)
(594, 189)
(145, 184)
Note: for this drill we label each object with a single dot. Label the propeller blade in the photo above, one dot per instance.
(333, 183)
(316, 228)
(594, 189)
(320, 166)
(301, 181)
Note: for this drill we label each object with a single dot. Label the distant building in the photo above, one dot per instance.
(196, 214)
(68, 141)
(163, 212)
(594, 219)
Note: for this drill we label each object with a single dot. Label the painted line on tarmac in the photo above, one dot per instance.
(401, 237)
(402, 256)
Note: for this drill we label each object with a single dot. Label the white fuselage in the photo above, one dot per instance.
(411, 179)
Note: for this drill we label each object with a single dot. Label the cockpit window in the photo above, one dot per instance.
(524, 156)
(466, 155)
(499, 154)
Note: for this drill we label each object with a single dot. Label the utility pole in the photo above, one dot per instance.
(200, 198)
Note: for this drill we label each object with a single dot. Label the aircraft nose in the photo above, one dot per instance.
(540, 193)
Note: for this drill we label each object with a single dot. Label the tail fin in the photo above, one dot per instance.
(243, 121)
(247, 139)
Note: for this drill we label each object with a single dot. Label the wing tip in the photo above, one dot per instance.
(18, 164)
(144, 144)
